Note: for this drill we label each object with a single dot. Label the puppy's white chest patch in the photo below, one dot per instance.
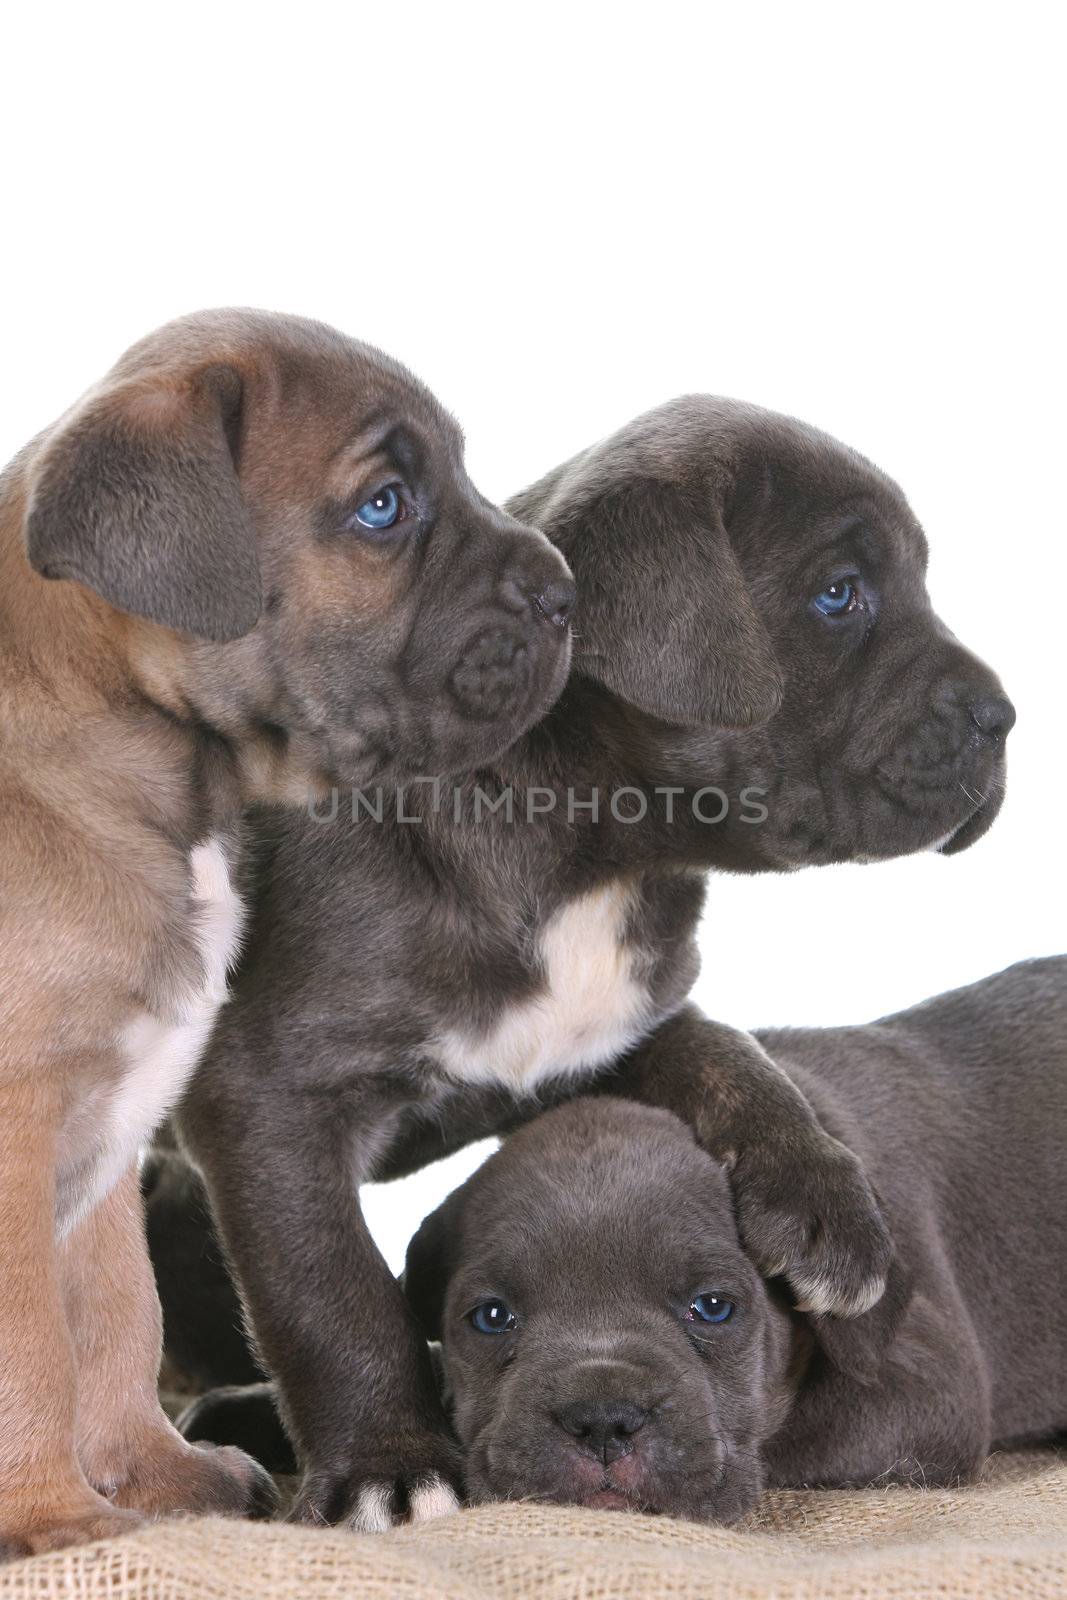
(592, 1008)
(158, 1056)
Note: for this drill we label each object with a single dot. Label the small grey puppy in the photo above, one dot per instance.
(606, 1340)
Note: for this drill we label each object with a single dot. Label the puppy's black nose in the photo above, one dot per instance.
(555, 602)
(993, 714)
(552, 600)
(602, 1426)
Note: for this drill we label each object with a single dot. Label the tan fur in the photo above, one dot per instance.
(46, 1497)
(94, 928)
(128, 1448)
(117, 917)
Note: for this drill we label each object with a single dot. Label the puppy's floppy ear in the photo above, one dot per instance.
(430, 1262)
(664, 617)
(136, 497)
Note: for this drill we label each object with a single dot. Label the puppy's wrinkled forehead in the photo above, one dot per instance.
(792, 478)
(614, 1194)
(343, 406)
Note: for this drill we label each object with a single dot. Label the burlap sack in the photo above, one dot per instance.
(1006, 1537)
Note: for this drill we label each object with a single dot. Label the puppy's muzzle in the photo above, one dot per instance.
(976, 721)
(499, 667)
(609, 1433)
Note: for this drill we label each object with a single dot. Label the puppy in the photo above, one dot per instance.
(248, 561)
(425, 968)
(607, 1342)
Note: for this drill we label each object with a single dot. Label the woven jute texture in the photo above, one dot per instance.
(1005, 1537)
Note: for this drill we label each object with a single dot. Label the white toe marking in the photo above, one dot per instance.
(433, 1499)
(373, 1513)
(817, 1296)
(869, 1296)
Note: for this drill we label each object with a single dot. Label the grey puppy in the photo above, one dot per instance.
(607, 1341)
(411, 985)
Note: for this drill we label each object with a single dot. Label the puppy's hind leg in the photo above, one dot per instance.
(127, 1447)
(922, 1419)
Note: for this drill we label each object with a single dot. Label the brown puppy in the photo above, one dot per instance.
(273, 572)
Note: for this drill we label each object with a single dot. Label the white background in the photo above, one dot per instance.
(560, 217)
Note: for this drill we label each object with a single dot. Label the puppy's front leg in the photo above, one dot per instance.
(355, 1385)
(46, 1501)
(127, 1447)
(806, 1211)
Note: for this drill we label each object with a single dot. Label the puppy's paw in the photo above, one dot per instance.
(205, 1479)
(807, 1213)
(414, 1483)
(100, 1521)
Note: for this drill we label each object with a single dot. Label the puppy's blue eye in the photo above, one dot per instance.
(380, 511)
(492, 1316)
(836, 598)
(710, 1308)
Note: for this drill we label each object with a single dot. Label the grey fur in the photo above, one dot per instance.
(373, 943)
(598, 1226)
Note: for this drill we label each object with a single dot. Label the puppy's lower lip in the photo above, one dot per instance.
(607, 1500)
